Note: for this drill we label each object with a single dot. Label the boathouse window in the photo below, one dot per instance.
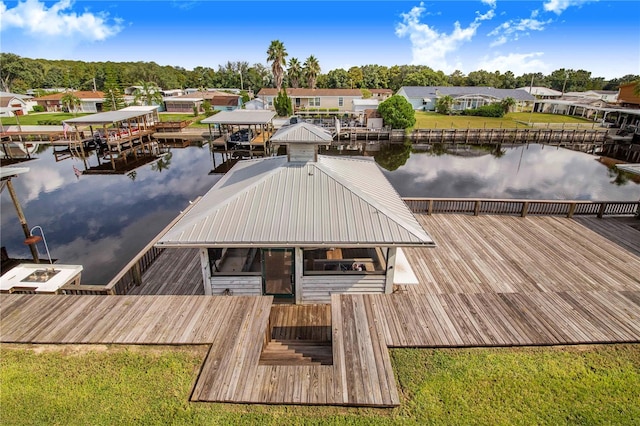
(234, 261)
(357, 260)
(314, 102)
(341, 101)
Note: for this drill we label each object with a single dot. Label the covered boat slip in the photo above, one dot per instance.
(241, 130)
(120, 133)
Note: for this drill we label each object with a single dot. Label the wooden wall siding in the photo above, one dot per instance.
(504, 254)
(239, 286)
(319, 288)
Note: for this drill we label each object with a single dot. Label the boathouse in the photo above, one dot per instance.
(300, 226)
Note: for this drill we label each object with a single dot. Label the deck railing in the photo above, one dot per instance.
(131, 274)
(568, 208)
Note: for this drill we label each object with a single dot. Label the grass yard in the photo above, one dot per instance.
(33, 118)
(105, 385)
(432, 120)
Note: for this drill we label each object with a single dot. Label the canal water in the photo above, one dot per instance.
(102, 221)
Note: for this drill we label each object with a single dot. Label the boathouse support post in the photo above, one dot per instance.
(476, 210)
(391, 263)
(525, 209)
(572, 210)
(603, 206)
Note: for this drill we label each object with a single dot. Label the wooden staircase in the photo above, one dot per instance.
(296, 352)
(298, 335)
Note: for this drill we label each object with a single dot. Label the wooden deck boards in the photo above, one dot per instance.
(504, 254)
(174, 272)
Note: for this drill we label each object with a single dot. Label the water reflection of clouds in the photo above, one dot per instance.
(522, 172)
(101, 221)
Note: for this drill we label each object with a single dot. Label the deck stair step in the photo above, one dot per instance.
(297, 352)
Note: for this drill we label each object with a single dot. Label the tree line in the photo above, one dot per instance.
(18, 74)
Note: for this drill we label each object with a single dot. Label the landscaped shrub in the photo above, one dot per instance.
(491, 110)
(38, 108)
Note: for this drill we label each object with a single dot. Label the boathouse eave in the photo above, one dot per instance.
(305, 245)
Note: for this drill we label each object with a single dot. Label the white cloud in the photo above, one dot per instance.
(58, 20)
(559, 6)
(431, 47)
(518, 63)
(511, 30)
(491, 3)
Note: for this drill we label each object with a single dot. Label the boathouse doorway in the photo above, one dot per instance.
(278, 274)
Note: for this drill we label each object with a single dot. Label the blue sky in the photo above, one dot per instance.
(522, 36)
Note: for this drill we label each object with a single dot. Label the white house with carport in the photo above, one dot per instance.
(301, 226)
(424, 98)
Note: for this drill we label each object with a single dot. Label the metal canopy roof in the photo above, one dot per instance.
(269, 202)
(302, 132)
(241, 116)
(107, 117)
(6, 172)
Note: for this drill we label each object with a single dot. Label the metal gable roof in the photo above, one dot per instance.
(241, 116)
(271, 202)
(455, 91)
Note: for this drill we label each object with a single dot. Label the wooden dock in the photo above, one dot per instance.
(492, 281)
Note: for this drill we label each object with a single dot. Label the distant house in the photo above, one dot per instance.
(12, 104)
(381, 94)
(424, 98)
(606, 96)
(89, 101)
(172, 92)
(541, 92)
(339, 100)
(627, 97)
(256, 103)
(340, 229)
(219, 101)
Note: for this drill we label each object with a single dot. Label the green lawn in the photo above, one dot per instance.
(432, 120)
(106, 385)
(424, 120)
(33, 118)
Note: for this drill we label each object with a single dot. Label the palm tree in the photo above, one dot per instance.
(444, 104)
(507, 103)
(311, 71)
(294, 72)
(71, 101)
(276, 54)
(147, 94)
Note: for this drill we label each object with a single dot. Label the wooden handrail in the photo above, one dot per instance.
(523, 207)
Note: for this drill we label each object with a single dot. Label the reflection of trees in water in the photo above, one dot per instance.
(41, 147)
(620, 177)
(393, 155)
(163, 163)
